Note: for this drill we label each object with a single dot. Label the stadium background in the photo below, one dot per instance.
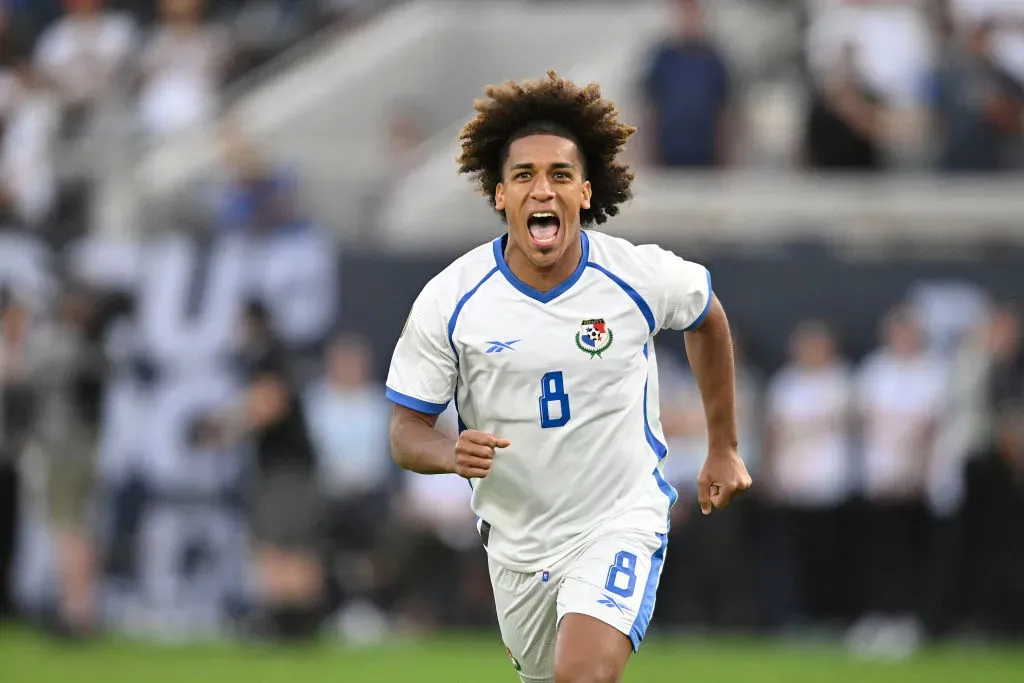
(827, 159)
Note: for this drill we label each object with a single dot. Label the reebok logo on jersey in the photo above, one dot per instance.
(499, 346)
(594, 337)
(609, 601)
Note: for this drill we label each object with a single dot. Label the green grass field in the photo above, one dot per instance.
(25, 658)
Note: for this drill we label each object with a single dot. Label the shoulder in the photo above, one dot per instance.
(606, 250)
(640, 263)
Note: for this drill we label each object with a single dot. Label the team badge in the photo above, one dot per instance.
(594, 337)
(515, 662)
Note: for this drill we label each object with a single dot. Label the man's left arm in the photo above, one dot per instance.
(710, 352)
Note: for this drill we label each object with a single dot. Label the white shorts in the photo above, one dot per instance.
(613, 578)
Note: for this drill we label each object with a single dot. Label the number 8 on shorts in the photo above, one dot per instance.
(622, 575)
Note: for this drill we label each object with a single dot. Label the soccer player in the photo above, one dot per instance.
(543, 337)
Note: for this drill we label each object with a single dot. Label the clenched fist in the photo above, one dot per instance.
(474, 453)
(723, 477)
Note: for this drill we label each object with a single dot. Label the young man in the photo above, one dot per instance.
(544, 339)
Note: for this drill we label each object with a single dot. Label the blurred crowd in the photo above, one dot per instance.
(84, 83)
(192, 435)
(886, 85)
(887, 488)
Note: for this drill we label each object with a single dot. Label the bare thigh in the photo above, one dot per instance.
(590, 651)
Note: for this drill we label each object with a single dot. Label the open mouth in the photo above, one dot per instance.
(543, 226)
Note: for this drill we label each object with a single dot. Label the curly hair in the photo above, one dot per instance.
(559, 107)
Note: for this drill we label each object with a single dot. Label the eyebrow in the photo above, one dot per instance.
(527, 165)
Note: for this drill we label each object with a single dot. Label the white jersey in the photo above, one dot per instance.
(568, 376)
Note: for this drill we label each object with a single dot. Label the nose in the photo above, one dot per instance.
(542, 191)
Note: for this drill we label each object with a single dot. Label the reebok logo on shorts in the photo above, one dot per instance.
(609, 601)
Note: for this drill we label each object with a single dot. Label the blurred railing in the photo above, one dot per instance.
(749, 208)
(327, 112)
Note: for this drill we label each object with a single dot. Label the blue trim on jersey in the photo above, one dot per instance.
(414, 403)
(660, 450)
(633, 294)
(646, 611)
(666, 488)
(462, 428)
(458, 415)
(543, 297)
(707, 307)
(458, 308)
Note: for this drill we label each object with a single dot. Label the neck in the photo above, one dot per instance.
(547, 278)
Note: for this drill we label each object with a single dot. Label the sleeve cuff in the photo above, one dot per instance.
(707, 306)
(415, 403)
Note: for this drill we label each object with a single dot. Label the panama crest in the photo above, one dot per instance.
(594, 337)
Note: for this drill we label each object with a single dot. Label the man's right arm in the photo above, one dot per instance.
(417, 446)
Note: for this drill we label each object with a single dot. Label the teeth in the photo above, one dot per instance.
(543, 214)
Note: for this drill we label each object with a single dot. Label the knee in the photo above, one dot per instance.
(582, 670)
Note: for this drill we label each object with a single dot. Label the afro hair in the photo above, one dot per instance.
(558, 107)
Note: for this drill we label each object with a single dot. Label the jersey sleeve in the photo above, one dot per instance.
(424, 367)
(682, 290)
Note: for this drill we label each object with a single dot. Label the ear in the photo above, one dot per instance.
(499, 197)
(586, 190)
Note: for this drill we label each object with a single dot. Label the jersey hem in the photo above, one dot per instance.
(707, 307)
(572, 545)
(414, 403)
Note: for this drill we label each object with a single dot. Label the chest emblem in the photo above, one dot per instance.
(594, 337)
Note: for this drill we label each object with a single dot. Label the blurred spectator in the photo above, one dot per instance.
(947, 309)
(893, 43)
(843, 127)
(182, 67)
(405, 135)
(994, 548)
(718, 591)
(444, 579)
(687, 88)
(901, 395)
(349, 424)
(285, 504)
(292, 261)
(889, 51)
(1006, 346)
(82, 54)
(15, 416)
(986, 376)
(28, 176)
(986, 383)
(1008, 35)
(65, 363)
(981, 107)
(807, 479)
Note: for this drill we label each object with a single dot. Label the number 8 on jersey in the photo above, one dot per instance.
(554, 402)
